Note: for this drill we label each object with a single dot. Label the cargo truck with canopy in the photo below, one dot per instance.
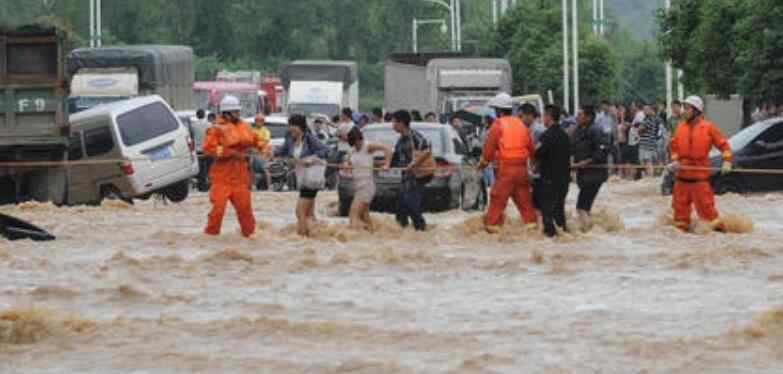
(105, 75)
(320, 87)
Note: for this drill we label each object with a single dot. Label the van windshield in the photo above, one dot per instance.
(145, 123)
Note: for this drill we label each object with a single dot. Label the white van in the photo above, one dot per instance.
(154, 150)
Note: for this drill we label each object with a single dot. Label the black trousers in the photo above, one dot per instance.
(550, 197)
(409, 205)
(587, 194)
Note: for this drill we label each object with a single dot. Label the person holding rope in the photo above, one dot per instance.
(304, 147)
(590, 148)
(509, 144)
(228, 143)
(413, 153)
(361, 160)
(553, 155)
(690, 148)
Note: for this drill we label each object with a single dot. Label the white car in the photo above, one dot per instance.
(154, 152)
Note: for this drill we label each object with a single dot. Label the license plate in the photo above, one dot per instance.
(390, 173)
(160, 154)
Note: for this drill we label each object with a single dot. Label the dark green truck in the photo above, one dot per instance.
(33, 120)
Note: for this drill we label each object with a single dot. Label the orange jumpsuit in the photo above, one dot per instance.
(229, 175)
(509, 145)
(690, 146)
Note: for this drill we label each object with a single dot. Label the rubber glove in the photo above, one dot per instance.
(725, 168)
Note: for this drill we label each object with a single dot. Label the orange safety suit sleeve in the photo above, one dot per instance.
(213, 145)
(674, 144)
(491, 144)
(720, 142)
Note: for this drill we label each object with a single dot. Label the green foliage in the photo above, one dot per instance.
(531, 37)
(726, 46)
(264, 34)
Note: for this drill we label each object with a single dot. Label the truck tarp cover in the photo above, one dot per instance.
(157, 65)
(471, 72)
(330, 71)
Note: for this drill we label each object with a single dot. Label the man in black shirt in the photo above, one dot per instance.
(410, 152)
(553, 156)
(590, 149)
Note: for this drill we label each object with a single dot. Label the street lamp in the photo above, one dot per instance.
(416, 23)
(455, 13)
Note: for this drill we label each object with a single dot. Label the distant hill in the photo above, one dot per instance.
(638, 16)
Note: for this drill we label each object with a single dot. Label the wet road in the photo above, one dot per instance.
(138, 289)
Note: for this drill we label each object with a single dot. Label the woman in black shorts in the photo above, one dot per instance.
(301, 145)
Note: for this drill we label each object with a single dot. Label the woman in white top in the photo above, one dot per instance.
(362, 161)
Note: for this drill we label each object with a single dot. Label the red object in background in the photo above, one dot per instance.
(274, 98)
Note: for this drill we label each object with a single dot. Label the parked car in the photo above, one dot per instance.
(158, 153)
(278, 127)
(759, 146)
(456, 185)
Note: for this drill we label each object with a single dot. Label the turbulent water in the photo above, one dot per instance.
(139, 289)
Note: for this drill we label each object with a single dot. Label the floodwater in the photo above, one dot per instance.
(138, 289)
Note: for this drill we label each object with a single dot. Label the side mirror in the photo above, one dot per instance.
(760, 144)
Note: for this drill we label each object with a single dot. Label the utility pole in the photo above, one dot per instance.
(92, 23)
(566, 68)
(98, 12)
(459, 24)
(95, 24)
(602, 16)
(495, 12)
(595, 17)
(575, 30)
(669, 94)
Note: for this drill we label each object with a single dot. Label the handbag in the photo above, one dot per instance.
(311, 177)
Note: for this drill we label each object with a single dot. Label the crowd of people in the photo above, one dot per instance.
(528, 157)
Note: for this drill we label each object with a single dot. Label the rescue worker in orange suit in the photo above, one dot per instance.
(690, 148)
(509, 145)
(228, 143)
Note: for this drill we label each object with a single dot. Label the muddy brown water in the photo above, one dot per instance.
(139, 289)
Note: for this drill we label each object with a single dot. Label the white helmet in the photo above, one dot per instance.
(501, 101)
(695, 102)
(230, 104)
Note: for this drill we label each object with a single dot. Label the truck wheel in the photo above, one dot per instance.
(177, 192)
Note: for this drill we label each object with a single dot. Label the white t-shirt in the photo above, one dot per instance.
(639, 118)
(298, 150)
(342, 131)
(199, 127)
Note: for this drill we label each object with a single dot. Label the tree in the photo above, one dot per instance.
(530, 36)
